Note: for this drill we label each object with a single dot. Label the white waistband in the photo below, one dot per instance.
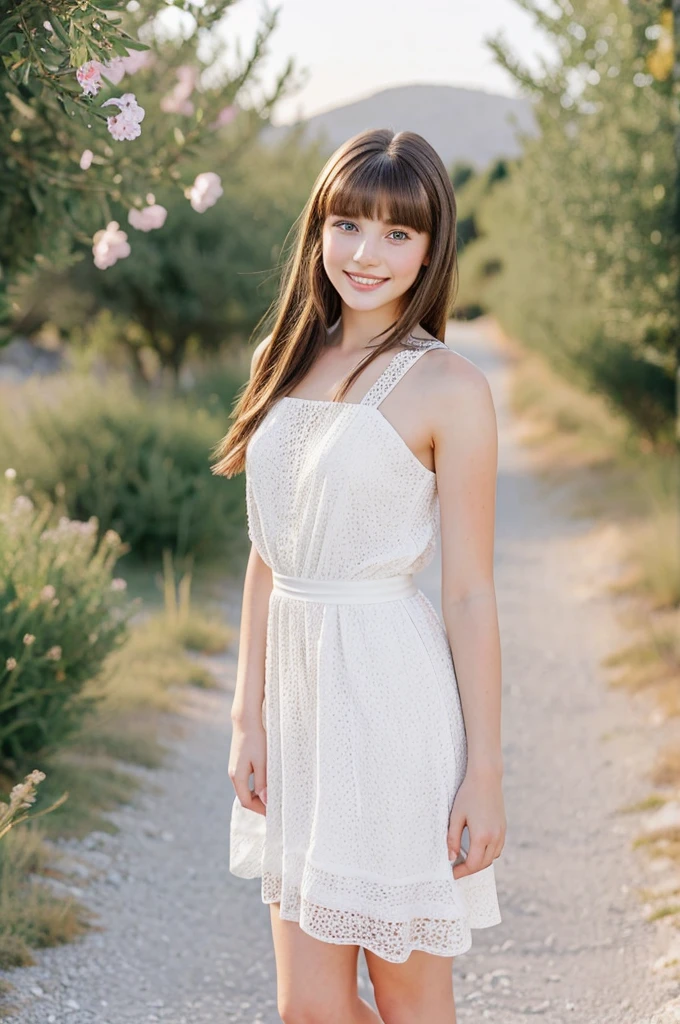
(389, 588)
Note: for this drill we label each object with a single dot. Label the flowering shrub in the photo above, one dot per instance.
(61, 614)
(60, 67)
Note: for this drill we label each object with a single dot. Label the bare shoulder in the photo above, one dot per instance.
(459, 395)
(258, 352)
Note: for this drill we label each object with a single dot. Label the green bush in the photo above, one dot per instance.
(61, 615)
(141, 465)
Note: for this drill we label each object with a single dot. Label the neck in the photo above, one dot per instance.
(356, 329)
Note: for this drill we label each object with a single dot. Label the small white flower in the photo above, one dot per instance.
(10, 664)
(118, 583)
(54, 653)
(110, 245)
(47, 592)
(205, 191)
(89, 76)
(126, 125)
(86, 159)
(10, 474)
(22, 504)
(149, 218)
(28, 639)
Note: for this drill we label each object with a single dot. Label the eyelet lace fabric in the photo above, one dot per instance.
(366, 744)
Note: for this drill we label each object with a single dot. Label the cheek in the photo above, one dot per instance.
(337, 248)
(405, 262)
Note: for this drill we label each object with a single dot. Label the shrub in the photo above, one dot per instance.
(141, 466)
(61, 615)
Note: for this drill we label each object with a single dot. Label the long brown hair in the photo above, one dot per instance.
(376, 174)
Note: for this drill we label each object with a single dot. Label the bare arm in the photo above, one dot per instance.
(466, 459)
(248, 747)
(466, 463)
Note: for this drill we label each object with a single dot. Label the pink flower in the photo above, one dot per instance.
(89, 75)
(10, 664)
(110, 245)
(54, 653)
(136, 60)
(126, 124)
(118, 583)
(86, 159)
(177, 100)
(205, 191)
(225, 116)
(149, 218)
(114, 69)
(47, 592)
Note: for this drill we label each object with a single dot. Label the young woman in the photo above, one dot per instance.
(363, 436)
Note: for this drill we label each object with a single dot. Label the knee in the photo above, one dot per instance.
(305, 1009)
(406, 1009)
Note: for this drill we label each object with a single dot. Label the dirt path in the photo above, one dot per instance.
(184, 942)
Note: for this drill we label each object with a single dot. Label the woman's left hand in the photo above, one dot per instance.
(479, 805)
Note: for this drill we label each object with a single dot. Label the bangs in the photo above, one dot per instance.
(379, 188)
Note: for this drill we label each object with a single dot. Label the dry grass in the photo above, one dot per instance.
(610, 474)
(32, 914)
(140, 690)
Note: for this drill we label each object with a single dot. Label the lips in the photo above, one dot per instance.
(365, 282)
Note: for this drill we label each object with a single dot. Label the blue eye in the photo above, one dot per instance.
(397, 231)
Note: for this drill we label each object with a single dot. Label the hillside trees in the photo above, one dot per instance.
(585, 225)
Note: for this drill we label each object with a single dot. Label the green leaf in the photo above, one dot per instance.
(134, 44)
(59, 29)
(11, 42)
(80, 54)
(119, 46)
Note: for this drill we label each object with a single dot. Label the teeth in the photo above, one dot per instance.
(364, 280)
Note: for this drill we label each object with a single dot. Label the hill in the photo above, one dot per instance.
(461, 124)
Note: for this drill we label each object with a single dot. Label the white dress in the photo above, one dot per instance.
(366, 744)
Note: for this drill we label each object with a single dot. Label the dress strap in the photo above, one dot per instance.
(397, 367)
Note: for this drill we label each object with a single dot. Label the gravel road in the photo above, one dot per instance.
(184, 942)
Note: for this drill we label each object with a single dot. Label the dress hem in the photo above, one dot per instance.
(458, 950)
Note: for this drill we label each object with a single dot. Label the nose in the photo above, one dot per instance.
(365, 253)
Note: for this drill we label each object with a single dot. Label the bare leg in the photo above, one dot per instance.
(316, 981)
(420, 989)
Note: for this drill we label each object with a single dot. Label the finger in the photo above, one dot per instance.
(260, 785)
(466, 868)
(475, 858)
(454, 835)
(250, 800)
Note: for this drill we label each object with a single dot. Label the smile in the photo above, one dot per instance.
(365, 283)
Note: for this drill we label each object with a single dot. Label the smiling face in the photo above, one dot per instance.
(372, 263)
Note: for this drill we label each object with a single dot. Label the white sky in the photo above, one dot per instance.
(348, 49)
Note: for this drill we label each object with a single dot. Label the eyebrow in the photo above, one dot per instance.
(346, 216)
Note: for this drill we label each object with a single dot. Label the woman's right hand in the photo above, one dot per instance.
(248, 754)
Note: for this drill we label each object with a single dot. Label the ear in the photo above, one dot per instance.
(426, 260)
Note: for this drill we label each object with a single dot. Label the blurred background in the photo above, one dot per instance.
(139, 251)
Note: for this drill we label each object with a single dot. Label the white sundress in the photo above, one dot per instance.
(366, 743)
